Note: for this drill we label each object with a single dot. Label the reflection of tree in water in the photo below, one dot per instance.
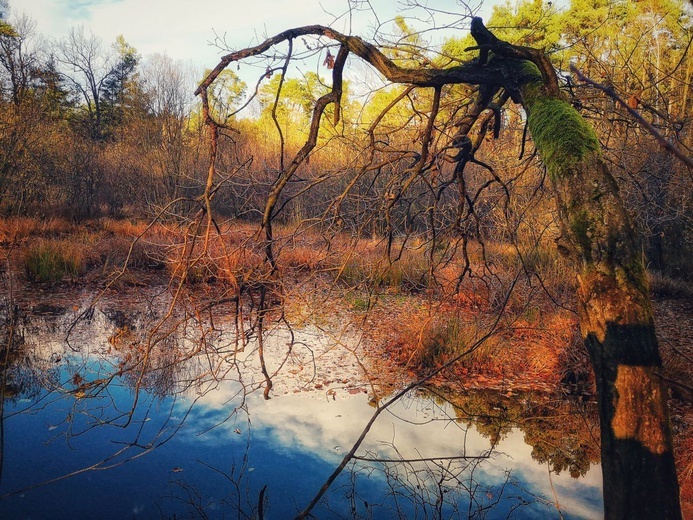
(422, 487)
(563, 433)
(468, 483)
(22, 372)
(429, 488)
(186, 358)
(239, 500)
(125, 382)
(175, 358)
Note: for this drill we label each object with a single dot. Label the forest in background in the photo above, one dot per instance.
(90, 129)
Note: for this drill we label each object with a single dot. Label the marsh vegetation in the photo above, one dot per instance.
(438, 249)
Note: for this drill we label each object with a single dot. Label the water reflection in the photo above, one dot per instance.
(89, 433)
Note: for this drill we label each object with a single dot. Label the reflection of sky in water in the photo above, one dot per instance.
(218, 461)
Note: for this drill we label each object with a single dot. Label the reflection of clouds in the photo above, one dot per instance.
(575, 496)
(326, 428)
(317, 410)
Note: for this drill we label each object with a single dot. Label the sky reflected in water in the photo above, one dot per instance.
(209, 449)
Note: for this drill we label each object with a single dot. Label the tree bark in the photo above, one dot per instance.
(615, 312)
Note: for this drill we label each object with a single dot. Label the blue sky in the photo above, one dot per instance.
(183, 29)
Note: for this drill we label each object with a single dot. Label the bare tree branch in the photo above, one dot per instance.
(664, 142)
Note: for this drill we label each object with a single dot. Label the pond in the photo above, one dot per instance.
(84, 435)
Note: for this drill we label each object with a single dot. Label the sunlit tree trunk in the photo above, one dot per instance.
(614, 311)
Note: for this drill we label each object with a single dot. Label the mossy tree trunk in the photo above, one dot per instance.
(614, 307)
(615, 312)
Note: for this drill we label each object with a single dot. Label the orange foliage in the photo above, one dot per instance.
(684, 452)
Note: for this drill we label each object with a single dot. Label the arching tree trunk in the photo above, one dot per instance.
(614, 310)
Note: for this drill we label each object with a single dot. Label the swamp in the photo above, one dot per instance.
(407, 262)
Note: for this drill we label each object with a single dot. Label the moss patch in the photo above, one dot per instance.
(563, 138)
(580, 226)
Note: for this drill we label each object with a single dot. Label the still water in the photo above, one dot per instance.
(84, 436)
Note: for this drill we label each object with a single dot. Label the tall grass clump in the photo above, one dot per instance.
(409, 272)
(441, 339)
(53, 260)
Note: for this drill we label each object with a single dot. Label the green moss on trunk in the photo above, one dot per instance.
(561, 135)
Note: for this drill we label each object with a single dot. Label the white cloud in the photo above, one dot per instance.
(181, 28)
(184, 28)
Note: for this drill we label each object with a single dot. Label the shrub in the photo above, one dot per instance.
(53, 260)
(441, 339)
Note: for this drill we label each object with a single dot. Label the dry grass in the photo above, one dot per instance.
(429, 340)
(299, 258)
(52, 260)
(532, 349)
(367, 266)
(18, 228)
(684, 452)
(666, 287)
(555, 351)
(118, 251)
(229, 259)
(55, 249)
(128, 228)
